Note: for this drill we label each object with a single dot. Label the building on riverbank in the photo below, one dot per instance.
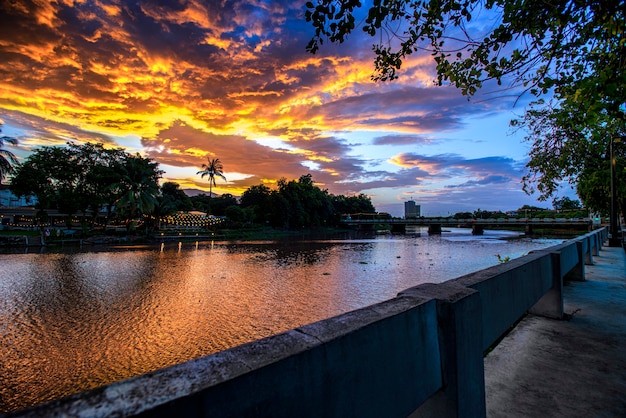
(8, 199)
(411, 210)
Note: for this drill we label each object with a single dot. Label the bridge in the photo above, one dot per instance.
(478, 225)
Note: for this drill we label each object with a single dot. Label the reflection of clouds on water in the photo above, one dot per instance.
(134, 310)
(487, 240)
(465, 234)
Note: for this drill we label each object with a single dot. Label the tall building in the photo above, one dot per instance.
(411, 210)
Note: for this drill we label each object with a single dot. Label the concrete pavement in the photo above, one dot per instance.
(569, 368)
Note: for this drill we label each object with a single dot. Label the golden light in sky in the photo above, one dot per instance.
(181, 80)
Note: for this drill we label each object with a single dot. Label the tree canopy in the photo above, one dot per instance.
(139, 185)
(573, 144)
(300, 204)
(216, 204)
(85, 178)
(176, 197)
(539, 44)
(571, 52)
(565, 203)
(77, 178)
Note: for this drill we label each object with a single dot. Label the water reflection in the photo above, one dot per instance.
(73, 321)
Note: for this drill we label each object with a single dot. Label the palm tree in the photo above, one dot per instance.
(7, 158)
(138, 187)
(213, 168)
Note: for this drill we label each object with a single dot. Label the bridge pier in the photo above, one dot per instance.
(398, 228)
(434, 229)
(528, 229)
(478, 229)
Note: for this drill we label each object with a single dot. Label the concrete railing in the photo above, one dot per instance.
(419, 354)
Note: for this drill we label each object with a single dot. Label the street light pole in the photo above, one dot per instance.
(615, 239)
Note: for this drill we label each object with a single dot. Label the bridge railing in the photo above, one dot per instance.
(452, 221)
(420, 352)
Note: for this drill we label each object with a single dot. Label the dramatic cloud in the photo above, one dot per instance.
(185, 80)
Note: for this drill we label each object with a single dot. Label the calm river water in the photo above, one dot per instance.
(77, 320)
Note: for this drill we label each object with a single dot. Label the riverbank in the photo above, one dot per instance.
(21, 238)
(33, 237)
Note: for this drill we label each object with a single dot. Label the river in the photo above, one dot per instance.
(79, 319)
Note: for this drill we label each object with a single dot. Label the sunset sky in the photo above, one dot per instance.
(180, 81)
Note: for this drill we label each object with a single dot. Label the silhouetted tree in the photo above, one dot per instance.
(176, 196)
(212, 168)
(257, 199)
(219, 204)
(565, 203)
(7, 158)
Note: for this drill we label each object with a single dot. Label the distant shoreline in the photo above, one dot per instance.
(15, 242)
(32, 239)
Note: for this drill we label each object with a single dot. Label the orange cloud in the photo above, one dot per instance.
(194, 79)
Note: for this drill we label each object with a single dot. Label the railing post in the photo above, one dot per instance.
(587, 243)
(459, 317)
(551, 303)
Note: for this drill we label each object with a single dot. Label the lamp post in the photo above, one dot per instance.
(615, 240)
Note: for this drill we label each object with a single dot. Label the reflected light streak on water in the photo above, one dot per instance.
(71, 322)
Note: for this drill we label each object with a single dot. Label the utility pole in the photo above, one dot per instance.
(615, 240)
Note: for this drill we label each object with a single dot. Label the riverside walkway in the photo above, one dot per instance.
(567, 368)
